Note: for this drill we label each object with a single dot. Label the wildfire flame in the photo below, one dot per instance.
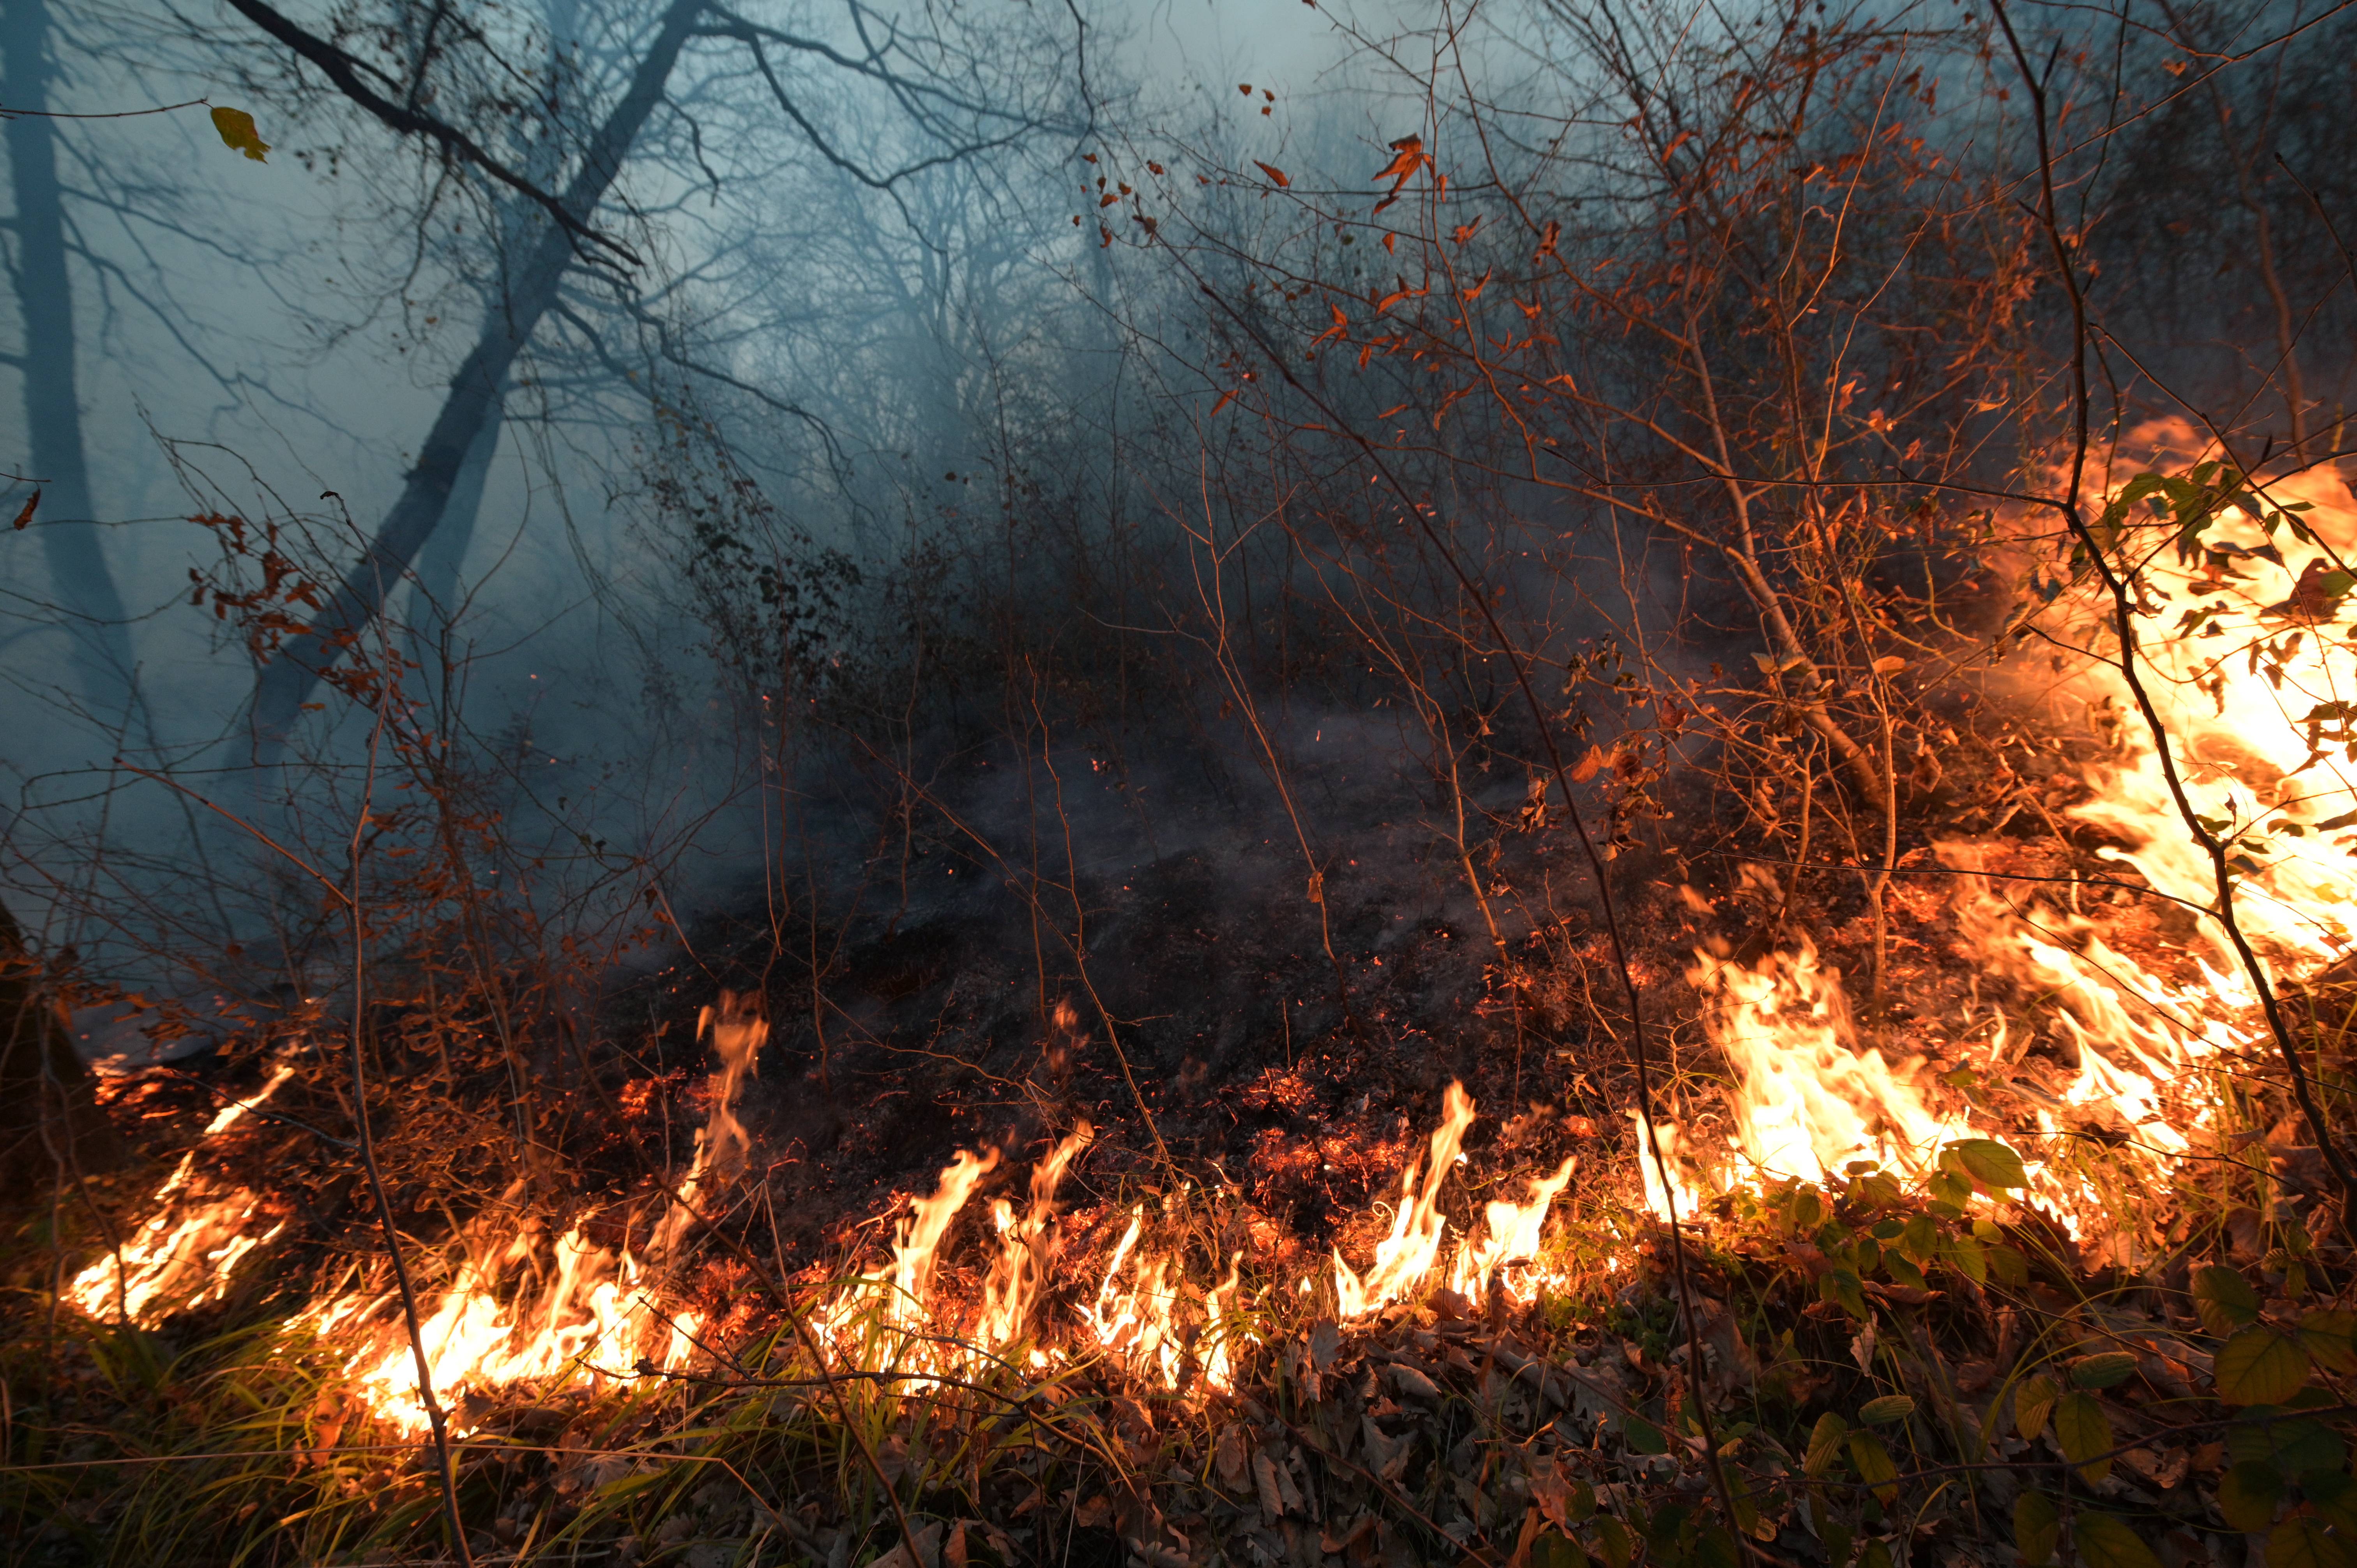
(524, 1310)
(185, 1252)
(2261, 701)
(1513, 1239)
(1405, 1256)
(1808, 1101)
(591, 1308)
(2259, 698)
(1027, 1249)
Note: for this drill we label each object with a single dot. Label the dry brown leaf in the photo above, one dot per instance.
(1333, 1544)
(928, 1553)
(1324, 1339)
(1234, 1456)
(1269, 1482)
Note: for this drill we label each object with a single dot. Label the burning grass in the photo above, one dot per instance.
(2034, 1256)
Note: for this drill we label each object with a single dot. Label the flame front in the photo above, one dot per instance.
(1808, 1101)
(523, 1311)
(2258, 698)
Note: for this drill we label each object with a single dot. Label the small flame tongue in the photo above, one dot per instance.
(1027, 1249)
(523, 1310)
(1807, 1101)
(1405, 1256)
(572, 1307)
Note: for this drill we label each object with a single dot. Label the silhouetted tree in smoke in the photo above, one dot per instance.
(928, 80)
(83, 583)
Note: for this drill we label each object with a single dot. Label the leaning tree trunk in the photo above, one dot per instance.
(286, 682)
(441, 565)
(84, 587)
(51, 1129)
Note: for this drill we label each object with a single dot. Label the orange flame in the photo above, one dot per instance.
(1513, 1239)
(2260, 704)
(1136, 1323)
(1027, 1248)
(1405, 1256)
(184, 1255)
(574, 1308)
(1807, 1100)
(593, 1316)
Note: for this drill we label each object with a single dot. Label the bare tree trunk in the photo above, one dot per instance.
(441, 565)
(83, 585)
(286, 682)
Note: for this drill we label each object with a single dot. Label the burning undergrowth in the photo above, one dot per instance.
(2021, 1246)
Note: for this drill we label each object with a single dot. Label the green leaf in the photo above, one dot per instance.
(2033, 1401)
(1840, 1286)
(1903, 1273)
(2259, 1366)
(2106, 1370)
(1876, 1555)
(2008, 1265)
(2302, 1542)
(2082, 1431)
(1613, 1541)
(1990, 1163)
(1555, 1550)
(1874, 1463)
(1886, 1410)
(2301, 1446)
(2333, 1496)
(238, 133)
(2247, 1495)
(2331, 1336)
(2224, 1299)
(2106, 1541)
(1825, 1445)
(1921, 1238)
(2037, 1525)
(1838, 1539)
(1714, 1548)
(1965, 1255)
(1643, 1435)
